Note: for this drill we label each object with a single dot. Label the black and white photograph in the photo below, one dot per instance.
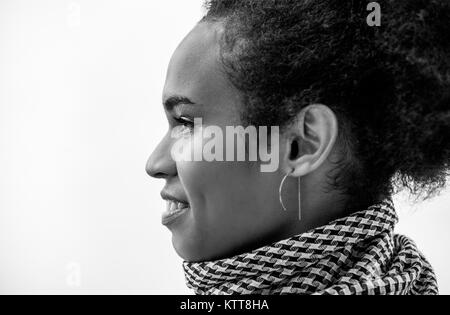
(245, 149)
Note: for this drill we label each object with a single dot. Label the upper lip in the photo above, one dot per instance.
(166, 196)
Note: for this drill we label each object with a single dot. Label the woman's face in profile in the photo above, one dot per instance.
(215, 208)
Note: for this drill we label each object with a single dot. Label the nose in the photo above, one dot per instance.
(160, 164)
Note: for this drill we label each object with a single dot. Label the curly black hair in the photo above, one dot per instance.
(389, 85)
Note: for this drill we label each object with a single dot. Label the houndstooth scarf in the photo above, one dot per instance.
(358, 254)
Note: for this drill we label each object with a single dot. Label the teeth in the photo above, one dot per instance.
(176, 206)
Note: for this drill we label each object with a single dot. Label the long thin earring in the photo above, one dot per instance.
(299, 201)
(280, 190)
(280, 193)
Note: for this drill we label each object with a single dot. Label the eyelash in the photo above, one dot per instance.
(185, 122)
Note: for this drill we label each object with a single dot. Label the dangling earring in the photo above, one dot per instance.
(280, 190)
(280, 193)
(299, 200)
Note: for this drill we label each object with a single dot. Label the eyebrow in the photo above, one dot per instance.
(173, 101)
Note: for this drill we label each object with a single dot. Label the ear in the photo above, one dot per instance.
(310, 139)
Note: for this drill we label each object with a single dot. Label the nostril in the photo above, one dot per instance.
(156, 170)
(158, 175)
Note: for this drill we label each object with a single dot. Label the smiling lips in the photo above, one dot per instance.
(174, 210)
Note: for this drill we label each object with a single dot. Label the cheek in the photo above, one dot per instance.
(204, 181)
(194, 176)
(218, 191)
(222, 197)
(210, 183)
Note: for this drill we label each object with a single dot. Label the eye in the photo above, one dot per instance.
(186, 122)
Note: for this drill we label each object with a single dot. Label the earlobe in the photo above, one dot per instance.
(313, 137)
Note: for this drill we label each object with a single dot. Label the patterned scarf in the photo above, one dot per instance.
(358, 254)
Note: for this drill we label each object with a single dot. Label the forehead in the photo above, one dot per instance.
(195, 70)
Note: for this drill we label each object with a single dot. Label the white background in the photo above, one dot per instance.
(80, 112)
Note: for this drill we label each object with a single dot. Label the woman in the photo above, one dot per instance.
(362, 110)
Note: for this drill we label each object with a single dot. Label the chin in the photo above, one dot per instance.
(188, 249)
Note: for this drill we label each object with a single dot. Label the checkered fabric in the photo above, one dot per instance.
(358, 254)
